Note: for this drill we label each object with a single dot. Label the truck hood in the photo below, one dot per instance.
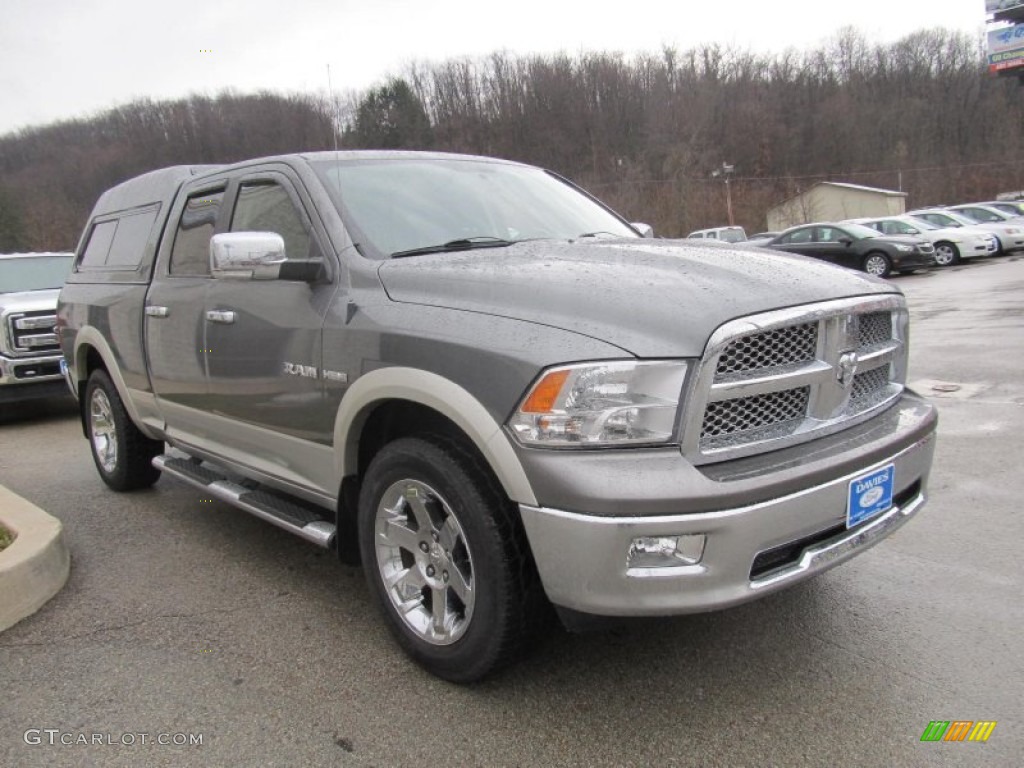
(651, 298)
(29, 301)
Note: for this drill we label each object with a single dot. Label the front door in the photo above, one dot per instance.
(263, 345)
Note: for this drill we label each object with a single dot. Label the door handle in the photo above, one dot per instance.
(153, 310)
(225, 316)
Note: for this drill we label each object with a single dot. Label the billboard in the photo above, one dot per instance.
(1006, 48)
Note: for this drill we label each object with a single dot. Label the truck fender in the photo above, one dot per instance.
(87, 337)
(445, 397)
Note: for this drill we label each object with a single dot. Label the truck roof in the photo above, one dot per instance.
(152, 187)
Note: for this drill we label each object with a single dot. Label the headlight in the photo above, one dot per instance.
(600, 404)
(904, 248)
(1012, 231)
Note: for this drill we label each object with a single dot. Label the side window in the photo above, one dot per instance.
(800, 236)
(120, 243)
(828, 235)
(267, 207)
(191, 252)
(133, 230)
(98, 247)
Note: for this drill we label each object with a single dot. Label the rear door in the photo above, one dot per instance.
(175, 325)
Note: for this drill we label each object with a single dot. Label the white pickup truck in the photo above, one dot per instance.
(29, 351)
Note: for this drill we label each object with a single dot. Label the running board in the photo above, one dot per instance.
(303, 520)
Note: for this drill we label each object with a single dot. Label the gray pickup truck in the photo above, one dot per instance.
(30, 355)
(491, 389)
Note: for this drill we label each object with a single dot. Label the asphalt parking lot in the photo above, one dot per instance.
(187, 618)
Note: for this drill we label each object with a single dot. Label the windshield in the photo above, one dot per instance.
(37, 273)
(983, 215)
(920, 224)
(860, 232)
(404, 204)
(959, 219)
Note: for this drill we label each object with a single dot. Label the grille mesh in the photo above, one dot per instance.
(767, 349)
(875, 328)
(869, 386)
(742, 414)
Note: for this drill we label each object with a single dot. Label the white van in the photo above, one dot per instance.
(725, 234)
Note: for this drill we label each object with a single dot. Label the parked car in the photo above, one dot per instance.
(986, 213)
(29, 351)
(951, 243)
(1009, 236)
(429, 363)
(725, 234)
(760, 238)
(1012, 207)
(857, 247)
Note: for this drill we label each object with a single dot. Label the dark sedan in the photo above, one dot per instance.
(857, 247)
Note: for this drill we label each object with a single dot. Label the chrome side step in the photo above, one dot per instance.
(305, 521)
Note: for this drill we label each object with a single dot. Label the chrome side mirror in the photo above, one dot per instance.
(247, 255)
(645, 230)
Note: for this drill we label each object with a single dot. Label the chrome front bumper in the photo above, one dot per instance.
(26, 370)
(582, 559)
(30, 378)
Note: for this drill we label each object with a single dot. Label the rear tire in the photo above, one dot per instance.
(446, 558)
(946, 254)
(877, 264)
(123, 455)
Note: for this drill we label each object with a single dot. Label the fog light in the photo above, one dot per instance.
(665, 551)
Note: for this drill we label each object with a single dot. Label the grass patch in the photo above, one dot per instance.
(6, 537)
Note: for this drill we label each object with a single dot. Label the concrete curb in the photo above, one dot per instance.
(36, 565)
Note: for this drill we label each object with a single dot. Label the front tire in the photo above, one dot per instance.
(446, 558)
(877, 264)
(946, 254)
(123, 455)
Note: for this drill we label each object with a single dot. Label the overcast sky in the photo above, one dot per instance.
(69, 58)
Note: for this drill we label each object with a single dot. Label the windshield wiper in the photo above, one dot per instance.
(461, 244)
(599, 233)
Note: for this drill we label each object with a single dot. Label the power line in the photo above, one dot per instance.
(824, 175)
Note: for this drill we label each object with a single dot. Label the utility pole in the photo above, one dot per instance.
(725, 172)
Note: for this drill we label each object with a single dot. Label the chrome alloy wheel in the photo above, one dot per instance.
(102, 430)
(876, 265)
(945, 254)
(424, 561)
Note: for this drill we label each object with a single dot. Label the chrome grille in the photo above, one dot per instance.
(868, 387)
(740, 414)
(783, 377)
(32, 332)
(875, 328)
(768, 349)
